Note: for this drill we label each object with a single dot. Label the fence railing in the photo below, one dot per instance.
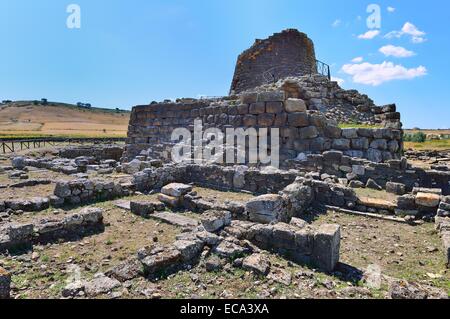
(323, 69)
(11, 145)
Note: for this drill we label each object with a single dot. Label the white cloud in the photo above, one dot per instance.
(391, 9)
(358, 59)
(338, 80)
(336, 23)
(398, 52)
(376, 74)
(408, 29)
(369, 35)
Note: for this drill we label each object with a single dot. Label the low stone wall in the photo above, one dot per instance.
(301, 130)
(68, 166)
(239, 178)
(99, 152)
(398, 171)
(49, 229)
(83, 191)
(319, 247)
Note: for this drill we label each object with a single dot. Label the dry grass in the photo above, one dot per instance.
(61, 120)
(440, 145)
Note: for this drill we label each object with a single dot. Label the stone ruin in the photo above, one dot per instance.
(322, 166)
(327, 162)
(289, 53)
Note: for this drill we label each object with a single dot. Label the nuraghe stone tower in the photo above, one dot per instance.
(305, 106)
(284, 54)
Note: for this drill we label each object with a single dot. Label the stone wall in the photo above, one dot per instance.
(82, 191)
(301, 130)
(14, 235)
(336, 163)
(289, 53)
(99, 152)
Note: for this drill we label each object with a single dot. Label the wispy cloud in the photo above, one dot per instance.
(408, 29)
(376, 74)
(336, 23)
(338, 80)
(398, 52)
(390, 9)
(358, 59)
(369, 35)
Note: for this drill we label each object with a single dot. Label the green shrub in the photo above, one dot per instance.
(418, 137)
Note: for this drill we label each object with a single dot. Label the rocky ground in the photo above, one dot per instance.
(378, 258)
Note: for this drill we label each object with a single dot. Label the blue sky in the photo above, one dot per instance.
(136, 51)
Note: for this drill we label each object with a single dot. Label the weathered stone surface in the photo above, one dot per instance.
(267, 208)
(377, 203)
(257, 263)
(73, 289)
(406, 202)
(18, 162)
(298, 119)
(142, 208)
(214, 220)
(308, 132)
(127, 270)
(161, 260)
(170, 201)
(326, 246)
(395, 188)
(295, 105)
(176, 189)
(101, 285)
(228, 249)
(189, 249)
(427, 199)
(404, 290)
(5, 284)
(373, 185)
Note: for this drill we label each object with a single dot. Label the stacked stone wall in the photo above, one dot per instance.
(300, 130)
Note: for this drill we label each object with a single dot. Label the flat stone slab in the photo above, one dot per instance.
(123, 204)
(175, 219)
(377, 203)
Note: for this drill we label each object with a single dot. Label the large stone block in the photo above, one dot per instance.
(257, 263)
(308, 132)
(214, 220)
(326, 247)
(257, 108)
(176, 189)
(295, 105)
(341, 144)
(271, 96)
(274, 107)
(266, 208)
(298, 119)
(395, 188)
(266, 119)
(427, 199)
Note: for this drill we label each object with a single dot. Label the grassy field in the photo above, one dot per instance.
(24, 119)
(429, 145)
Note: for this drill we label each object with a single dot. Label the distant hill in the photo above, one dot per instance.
(35, 118)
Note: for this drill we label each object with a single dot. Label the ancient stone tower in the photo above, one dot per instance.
(289, 53)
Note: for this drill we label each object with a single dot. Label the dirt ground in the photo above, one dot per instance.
(400, 251)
